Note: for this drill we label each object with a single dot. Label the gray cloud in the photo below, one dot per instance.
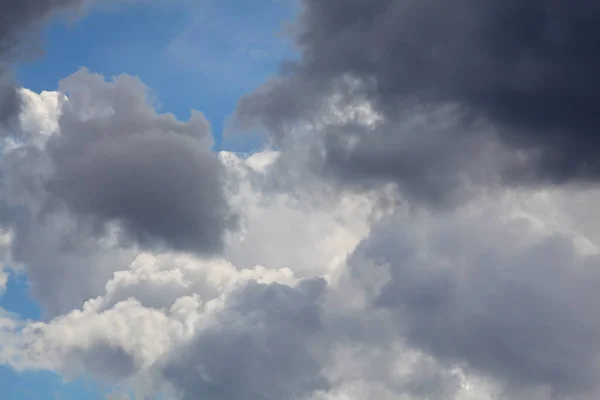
(114, 176)
(495, 296)
(424, 154)
(529, 68)
(257, 349)
(116, 159)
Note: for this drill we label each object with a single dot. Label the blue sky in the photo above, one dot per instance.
(189, 53)
(190, 56)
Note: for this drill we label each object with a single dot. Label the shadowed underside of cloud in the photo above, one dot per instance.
(262, 338)
(528, 70)
(493, 299)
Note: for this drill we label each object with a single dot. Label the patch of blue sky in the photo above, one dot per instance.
(38, 385)
(203, 54)
(46, 386)
(16, 299)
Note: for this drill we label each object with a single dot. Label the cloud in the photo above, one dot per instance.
(262, 325)
(116, 159)
(113, 345)
(323, 231)
(490, 300)
(237, 314)
(95, 174)
(320, 293)
(525, 71)
(502, 287)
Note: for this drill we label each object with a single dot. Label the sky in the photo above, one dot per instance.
(188, 53)
(299, 199)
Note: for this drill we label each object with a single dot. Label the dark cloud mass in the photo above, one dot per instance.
(116, 159)
(527, 67)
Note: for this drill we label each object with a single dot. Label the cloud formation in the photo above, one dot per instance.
(490, 300)
(495, 289)
(122, 219)
(116, 159)
(525, 70)
(262, 325)
(95, 174)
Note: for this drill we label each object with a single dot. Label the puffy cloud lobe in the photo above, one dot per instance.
(506, 294)
(157, 281)
(527, 68)
(93, 177)
(262, 340)
(65, 261)
(18, 19)
(255, 342)
(114, 344)
(323, 231)
(116, 159)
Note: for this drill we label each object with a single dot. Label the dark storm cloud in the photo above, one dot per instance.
(18, 20)
(116, 159)
(528, 67)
